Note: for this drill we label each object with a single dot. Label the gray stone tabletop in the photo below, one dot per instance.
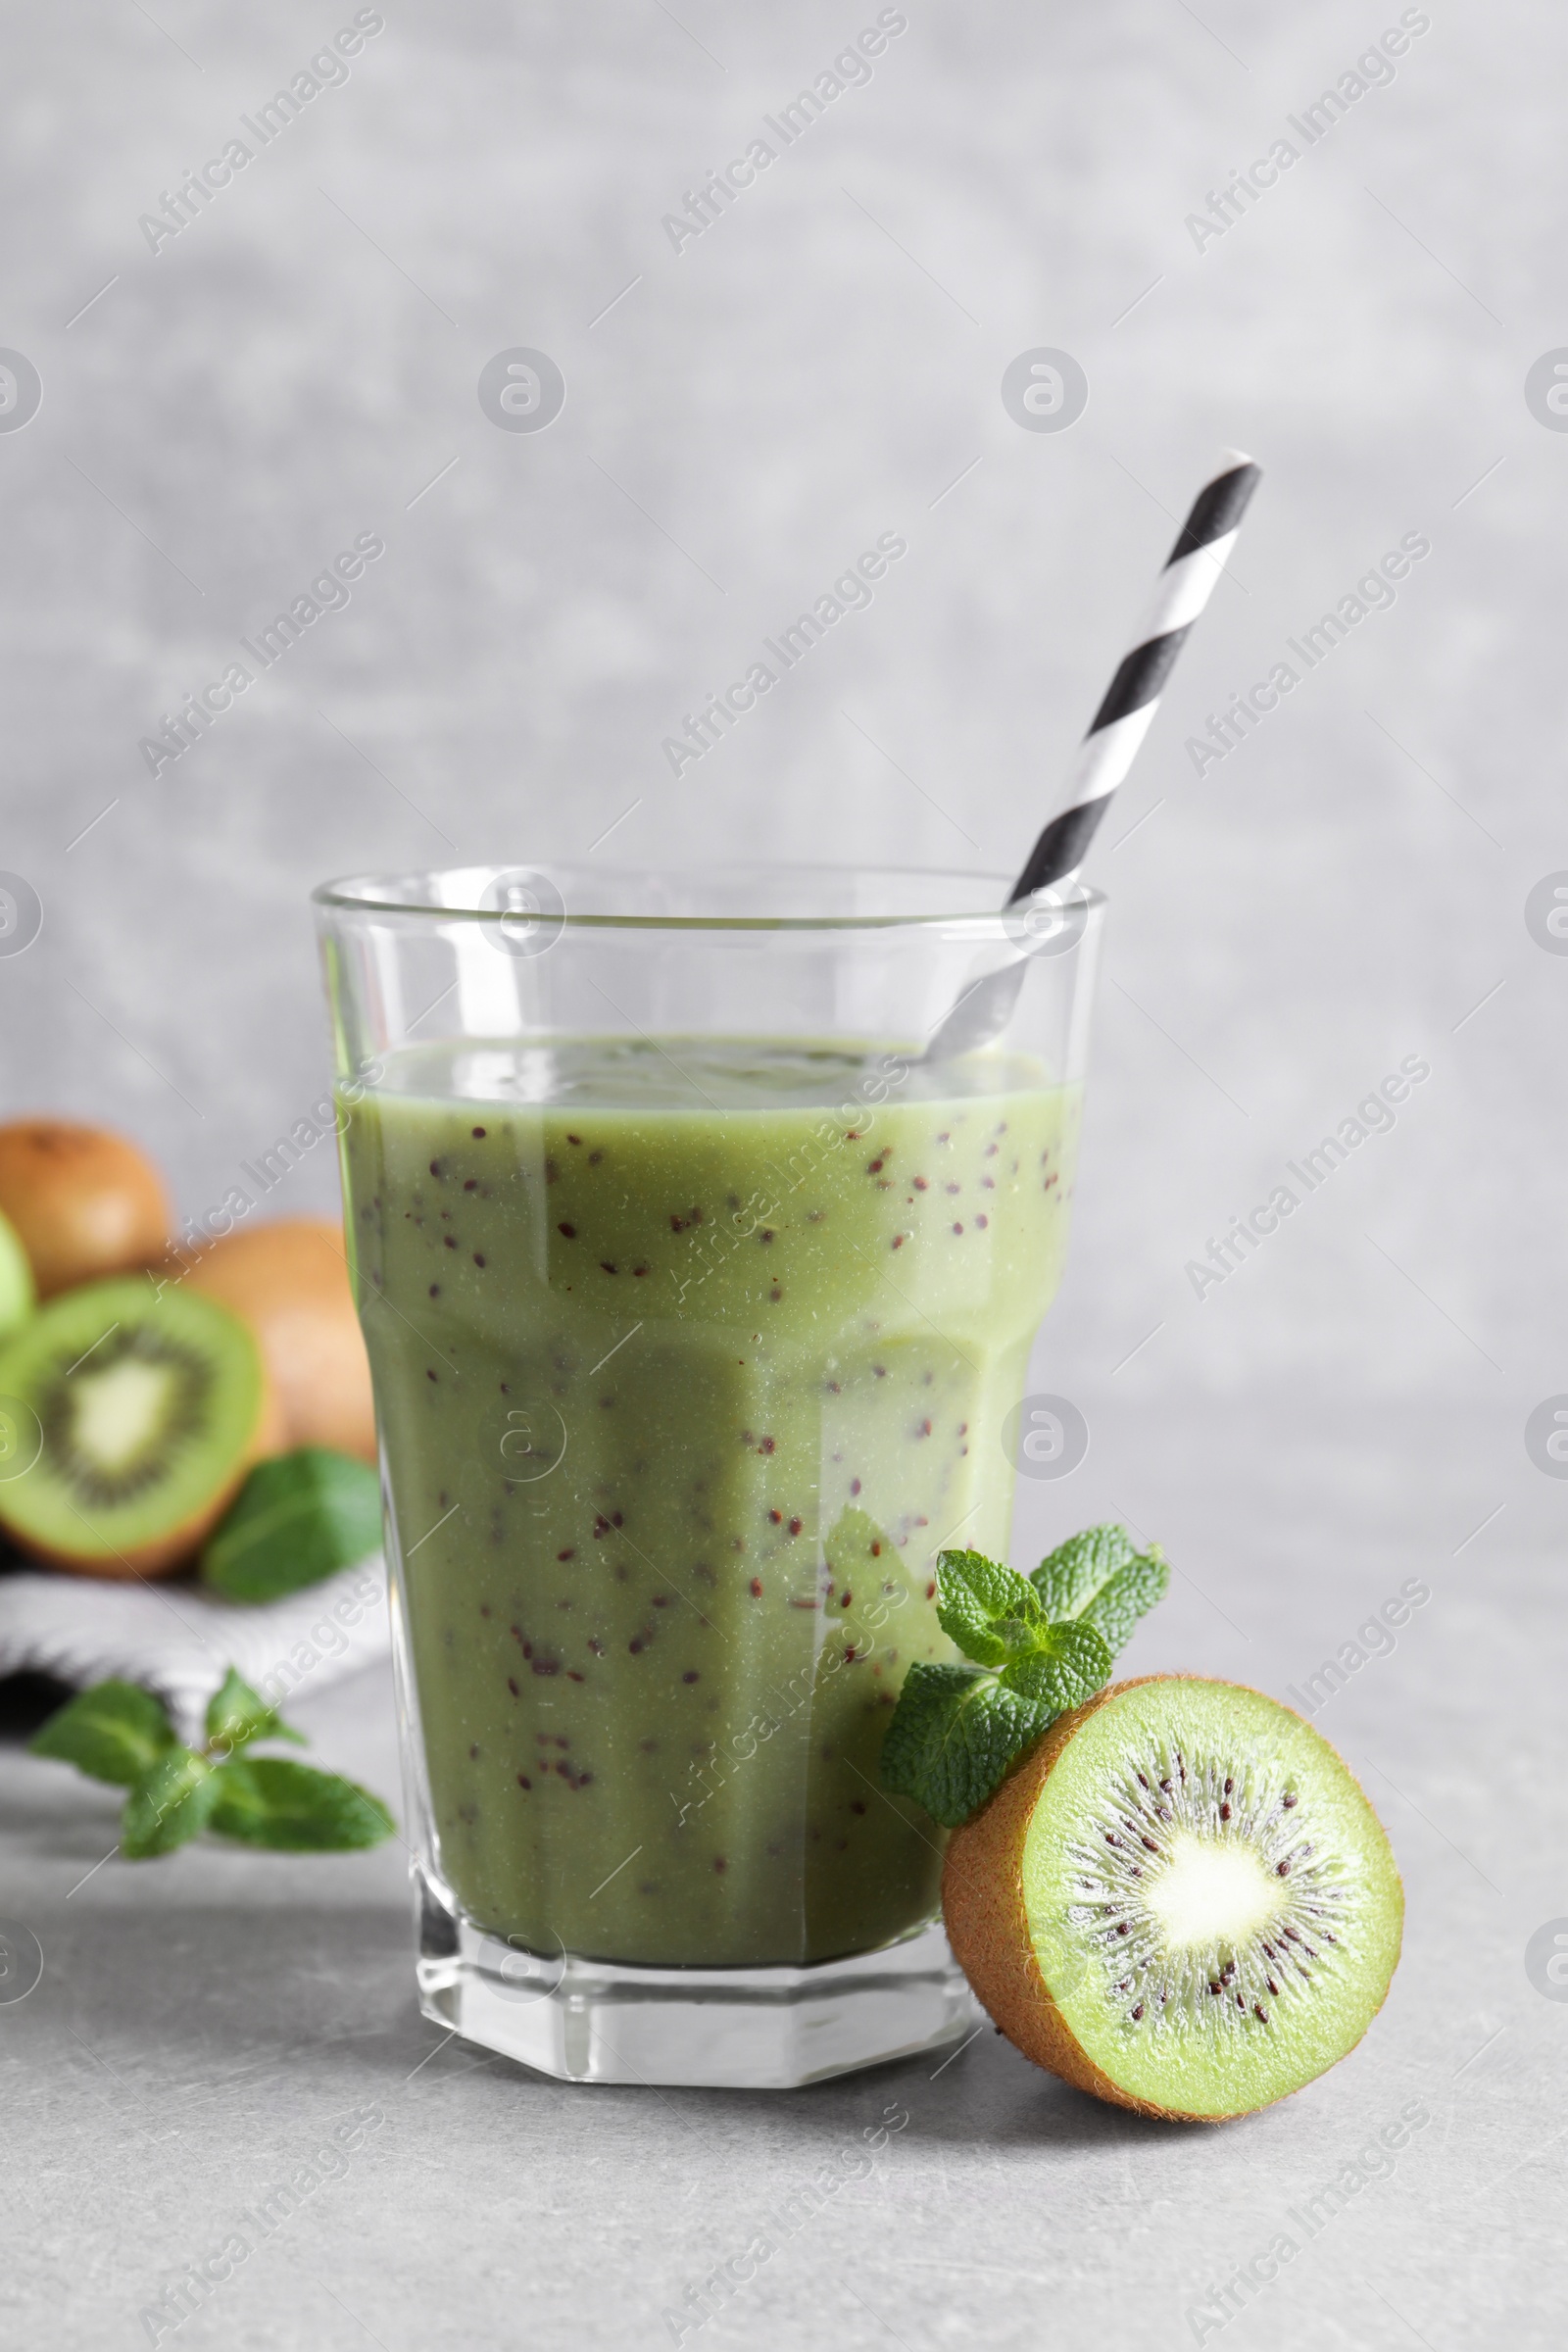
(216, 2026)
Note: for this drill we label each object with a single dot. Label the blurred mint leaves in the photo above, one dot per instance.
(298, 1519)
(1041, 1645)
(117, 1733)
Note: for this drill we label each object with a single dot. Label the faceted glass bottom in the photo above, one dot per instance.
(718, 2029)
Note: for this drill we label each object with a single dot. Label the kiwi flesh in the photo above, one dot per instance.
(151, 1412)
(18, 1294)
(1180, 1900)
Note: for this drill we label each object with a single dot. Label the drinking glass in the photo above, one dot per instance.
(697, 1299)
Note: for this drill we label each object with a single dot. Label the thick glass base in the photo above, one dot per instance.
(719, 2029)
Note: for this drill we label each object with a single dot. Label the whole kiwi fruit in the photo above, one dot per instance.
(84, 1202)
(289, 1281)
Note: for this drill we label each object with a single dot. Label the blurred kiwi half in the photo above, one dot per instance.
(18, 1292)
(144, 1413)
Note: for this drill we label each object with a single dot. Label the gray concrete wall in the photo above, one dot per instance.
(299, 364)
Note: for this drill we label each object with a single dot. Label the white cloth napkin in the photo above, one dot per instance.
(180, 1640)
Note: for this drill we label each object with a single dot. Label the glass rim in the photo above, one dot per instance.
(365, 894)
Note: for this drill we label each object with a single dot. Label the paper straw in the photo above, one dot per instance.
(1123, 719)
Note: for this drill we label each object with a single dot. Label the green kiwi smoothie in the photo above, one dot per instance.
(689, 1355)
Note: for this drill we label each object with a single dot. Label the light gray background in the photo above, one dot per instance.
(823, 365)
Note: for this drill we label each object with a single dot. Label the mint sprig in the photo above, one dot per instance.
(1041, 1645)
(120, 1734)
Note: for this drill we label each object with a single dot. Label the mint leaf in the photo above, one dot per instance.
(1041, 1645)
(266, 1800)
(237, 1714)
(1069, 1577)
(1128, 1596)
(114, 1731)
(953, 1733)
(168, 1806)
(1068, 1664)
(297, 1519)
(1101, 1577)
(987, 1610)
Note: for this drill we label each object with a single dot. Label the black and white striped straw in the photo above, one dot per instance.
(1123, 719)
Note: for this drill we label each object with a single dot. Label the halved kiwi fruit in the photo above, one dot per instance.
(151, 1411)
(1180, 1900)
(18, 1292)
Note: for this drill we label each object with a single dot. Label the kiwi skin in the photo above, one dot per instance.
(84, 1202)
(986, 1918)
